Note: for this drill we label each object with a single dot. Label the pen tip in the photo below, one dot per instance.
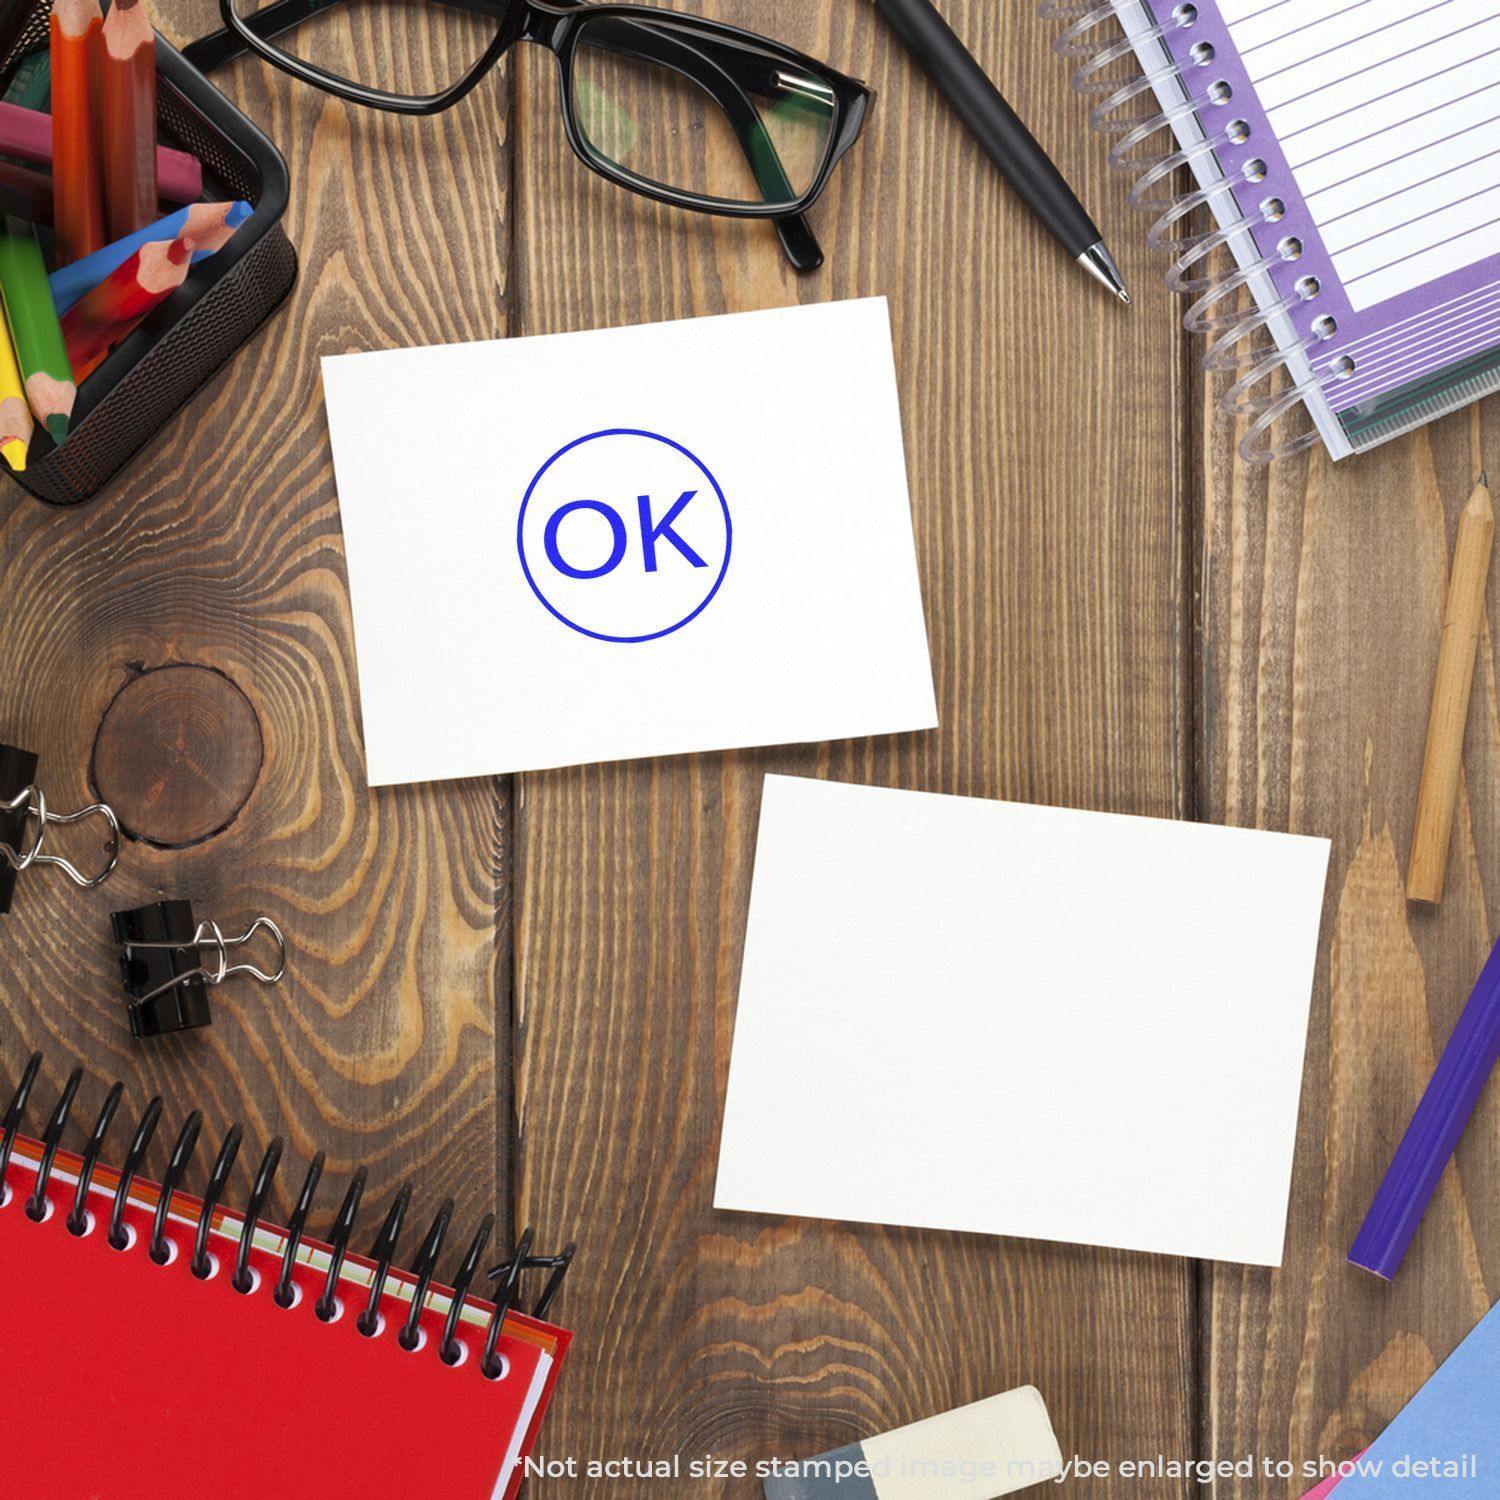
(1098, 262)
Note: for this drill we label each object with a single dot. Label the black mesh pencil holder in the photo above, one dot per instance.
(165, 362)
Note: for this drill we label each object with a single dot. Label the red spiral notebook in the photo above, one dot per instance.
(128, 1379)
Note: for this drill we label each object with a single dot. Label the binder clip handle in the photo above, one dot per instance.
(226, 970)
(210, 934)
(31, 805)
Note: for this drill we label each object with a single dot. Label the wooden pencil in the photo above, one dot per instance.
(98, 321)
(28, 194)
(1463, 619)
(35, 331)
(26, 134)
(78, 180)
(16, 425)
(25, 193)
(128, 86)
(210, 226)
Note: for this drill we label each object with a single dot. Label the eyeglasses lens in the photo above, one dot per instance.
(715, 117)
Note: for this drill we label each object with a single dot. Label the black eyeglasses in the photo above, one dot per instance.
(683, 110)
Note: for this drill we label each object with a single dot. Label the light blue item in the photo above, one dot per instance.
(1446, 1440)
(72, 282)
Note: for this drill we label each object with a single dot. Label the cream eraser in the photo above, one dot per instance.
(980, 1452)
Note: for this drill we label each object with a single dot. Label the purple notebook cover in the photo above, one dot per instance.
(1408, 336)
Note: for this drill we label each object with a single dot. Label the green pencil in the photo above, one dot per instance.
(34, 328)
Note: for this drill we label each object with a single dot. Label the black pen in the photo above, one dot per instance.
(998, 129)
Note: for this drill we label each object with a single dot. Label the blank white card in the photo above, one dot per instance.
(1005, 1019)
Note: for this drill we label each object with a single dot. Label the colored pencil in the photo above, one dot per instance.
(209, 225)
(25, 193)
(34, 329)
(26, 134)
(129, 118)
(16, 425)
(97, 322)
(76, 169)
(1463, 619)
(1433, 1135)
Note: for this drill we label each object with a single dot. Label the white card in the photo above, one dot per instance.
(1016, 1020)
(641, 541)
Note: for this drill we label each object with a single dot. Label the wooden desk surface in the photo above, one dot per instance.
(521, 991)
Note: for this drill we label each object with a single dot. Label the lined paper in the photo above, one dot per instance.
(1389, 113)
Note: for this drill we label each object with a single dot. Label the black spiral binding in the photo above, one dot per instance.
(368, 1322)
(327, 1308)
(242, 1280)
(36, 1208)
(78, 1217)
(202, 1262)
(383, 1252)
(410, 1337)
(285, 1294)
(177, 1164)
(118, 1238)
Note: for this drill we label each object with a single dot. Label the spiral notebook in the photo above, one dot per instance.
(1349, 152)
(133, 1378)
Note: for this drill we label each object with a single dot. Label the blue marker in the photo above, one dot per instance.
(210, 224)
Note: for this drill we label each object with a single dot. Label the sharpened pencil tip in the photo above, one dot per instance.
(1484, 478)
(57, 427)
(15, 454)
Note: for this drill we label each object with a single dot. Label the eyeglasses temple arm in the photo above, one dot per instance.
(799, 242)
(797, 238)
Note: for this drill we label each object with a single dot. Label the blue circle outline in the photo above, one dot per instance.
(624, 640)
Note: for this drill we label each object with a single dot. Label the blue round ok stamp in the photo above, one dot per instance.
(624, 535)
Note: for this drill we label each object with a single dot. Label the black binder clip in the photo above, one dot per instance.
(161, 958)
(25, 820)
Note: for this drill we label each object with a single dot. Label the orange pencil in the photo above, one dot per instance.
(129, 118)
(98, 321)
(78, 179)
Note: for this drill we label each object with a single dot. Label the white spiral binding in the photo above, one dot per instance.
(1227, 327)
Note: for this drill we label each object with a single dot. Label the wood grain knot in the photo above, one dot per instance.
(178, 752)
